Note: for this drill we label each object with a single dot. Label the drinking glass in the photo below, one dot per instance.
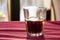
(34, 19)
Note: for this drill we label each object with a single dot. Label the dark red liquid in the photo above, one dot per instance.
(34, 26)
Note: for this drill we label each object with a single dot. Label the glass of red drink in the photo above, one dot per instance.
(34, 18)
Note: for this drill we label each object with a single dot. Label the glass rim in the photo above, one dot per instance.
(27, 7)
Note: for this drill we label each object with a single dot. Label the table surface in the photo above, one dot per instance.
(17, 31)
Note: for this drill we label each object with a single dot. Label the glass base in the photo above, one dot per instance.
(35, 34)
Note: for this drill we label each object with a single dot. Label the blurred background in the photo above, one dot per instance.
(3, 10)
(12, 10)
